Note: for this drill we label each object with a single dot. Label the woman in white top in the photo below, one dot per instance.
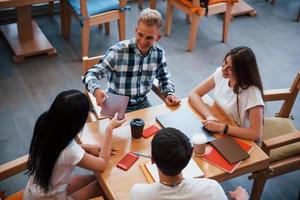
(53, 153)
(238, 89)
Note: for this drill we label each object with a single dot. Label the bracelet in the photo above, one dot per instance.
(225, 129)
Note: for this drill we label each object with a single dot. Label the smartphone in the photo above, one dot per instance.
(150, 131)
(127, 161)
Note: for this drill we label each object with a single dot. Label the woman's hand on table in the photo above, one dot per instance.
(213, 126)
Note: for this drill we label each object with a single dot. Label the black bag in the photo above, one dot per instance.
(204, 4)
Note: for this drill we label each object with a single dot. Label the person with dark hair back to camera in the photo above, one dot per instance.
(53, 152)
(171, 152)
(131, 66)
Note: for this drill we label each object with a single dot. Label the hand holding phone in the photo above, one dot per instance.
(127, 161)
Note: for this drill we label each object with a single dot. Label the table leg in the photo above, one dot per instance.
(25, 37)
(259, 181)
(24, 23)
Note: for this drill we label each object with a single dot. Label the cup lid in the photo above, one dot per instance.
(199, 138)
(137, 122)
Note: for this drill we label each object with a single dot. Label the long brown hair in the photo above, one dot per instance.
(244, 68)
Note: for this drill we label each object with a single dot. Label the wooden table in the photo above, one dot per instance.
(25, 37)
(117, 183)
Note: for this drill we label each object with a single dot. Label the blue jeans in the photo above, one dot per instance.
(141, 105)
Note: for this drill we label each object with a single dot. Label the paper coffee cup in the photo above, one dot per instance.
(199, 143)
(137, 127)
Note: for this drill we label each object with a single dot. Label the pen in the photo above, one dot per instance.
(140, 154)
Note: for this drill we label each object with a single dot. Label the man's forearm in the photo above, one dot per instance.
(91, 82)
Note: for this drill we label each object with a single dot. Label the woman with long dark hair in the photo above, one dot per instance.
(53, 152)
(238, 90)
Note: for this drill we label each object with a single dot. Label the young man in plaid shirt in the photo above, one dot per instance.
(132, 65)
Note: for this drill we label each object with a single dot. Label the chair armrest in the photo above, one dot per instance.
(13, 167)
(122, 3)
(280, 141)
(276, 95)
(156, 89)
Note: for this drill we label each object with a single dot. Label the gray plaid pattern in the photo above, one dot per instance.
(129, 73)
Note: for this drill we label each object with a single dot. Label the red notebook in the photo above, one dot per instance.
(214, 157)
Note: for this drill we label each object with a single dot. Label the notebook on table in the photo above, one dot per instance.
(114, 104)
(230, 149)
(185, 121)
(214, 157)
(192, 170)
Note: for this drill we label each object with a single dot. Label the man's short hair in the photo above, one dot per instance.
(150, 17)
(171, 151)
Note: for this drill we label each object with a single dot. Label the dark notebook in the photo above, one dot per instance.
(230, 149)
(185, 121)
(114, 104)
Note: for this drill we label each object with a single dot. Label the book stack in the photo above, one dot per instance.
(215, 157)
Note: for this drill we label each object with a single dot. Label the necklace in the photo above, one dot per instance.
(171, 184)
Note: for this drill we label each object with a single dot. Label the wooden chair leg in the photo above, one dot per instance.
(226, 22)
(188, 19)
(169, 17)
(107, 28)
(65, 15)
(100, 26)
(273, 2)
(193, 31)
(85, 38)
(51, 8)
(258, 186)
(140, 4)
(152, 4)
(121, 26)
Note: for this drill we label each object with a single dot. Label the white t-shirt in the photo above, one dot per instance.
(61, 173)
(189, 189)
(227, 99)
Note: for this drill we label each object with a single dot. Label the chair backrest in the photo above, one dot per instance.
(195, 6)
(84, 10)
(12, 168)
(288, 95)
(88, 62)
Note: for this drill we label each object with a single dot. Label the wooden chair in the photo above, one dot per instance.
(87, 63)
(281, 140)
(194, 11)
(152, 4)
(15, 167)
(10, 169)
(90, 13)
(19, 165)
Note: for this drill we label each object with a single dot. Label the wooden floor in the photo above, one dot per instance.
(28, 88)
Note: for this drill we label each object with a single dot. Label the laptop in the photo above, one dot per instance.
(185, 121)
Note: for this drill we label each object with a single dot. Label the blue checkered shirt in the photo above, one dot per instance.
(129, 73)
